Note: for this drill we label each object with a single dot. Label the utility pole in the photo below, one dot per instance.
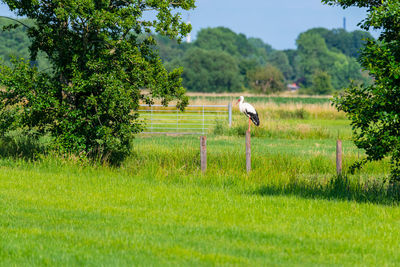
(344, 23)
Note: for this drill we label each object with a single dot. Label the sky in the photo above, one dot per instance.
(277, 23)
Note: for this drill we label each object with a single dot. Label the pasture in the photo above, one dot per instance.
(158, 209)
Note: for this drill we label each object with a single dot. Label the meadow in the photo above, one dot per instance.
(157, 208)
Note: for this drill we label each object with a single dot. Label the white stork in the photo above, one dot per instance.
(249, 111)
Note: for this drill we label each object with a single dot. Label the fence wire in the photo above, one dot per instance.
(196, 119)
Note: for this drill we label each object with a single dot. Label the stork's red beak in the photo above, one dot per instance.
(238, 101)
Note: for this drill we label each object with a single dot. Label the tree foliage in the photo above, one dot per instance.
(348, 43)
(224, 39)
(211, 71)
(319, 49)
(280, 60)
(102, 61)
(261, 50)
(321, 83)
(374, 110)
(314, 55)
(266, 80)
(14, 42)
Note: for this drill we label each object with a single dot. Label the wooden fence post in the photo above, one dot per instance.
(339, 157)
(230, 114)
(203, 153)
(248, 152)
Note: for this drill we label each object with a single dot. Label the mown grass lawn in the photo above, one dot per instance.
(58, 213)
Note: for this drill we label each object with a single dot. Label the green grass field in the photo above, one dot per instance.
(158, 209)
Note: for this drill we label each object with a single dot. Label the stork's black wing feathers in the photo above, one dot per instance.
(254, 117)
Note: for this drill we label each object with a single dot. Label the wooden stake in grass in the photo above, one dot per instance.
(203, 153)
(339, 157)
(248, 152)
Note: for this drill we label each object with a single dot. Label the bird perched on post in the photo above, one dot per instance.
(249, 111)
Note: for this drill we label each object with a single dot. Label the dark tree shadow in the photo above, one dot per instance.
(24, 145)
(338, 188)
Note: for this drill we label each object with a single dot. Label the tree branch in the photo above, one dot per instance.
(23, 24)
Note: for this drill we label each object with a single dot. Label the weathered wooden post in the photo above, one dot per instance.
(203, 153)
(248, 152)
(339, 157)
(230, 114)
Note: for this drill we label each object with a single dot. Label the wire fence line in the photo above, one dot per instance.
(196, 119)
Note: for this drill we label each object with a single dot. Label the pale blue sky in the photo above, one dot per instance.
(277, 23)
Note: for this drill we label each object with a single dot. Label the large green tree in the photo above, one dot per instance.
(280, 60)
(103, 63)
(267, 79)
(348, 43)
(211, 71)
(314, 55)
(224, 39)
(321, 83)
(261, 50)
(374, 110)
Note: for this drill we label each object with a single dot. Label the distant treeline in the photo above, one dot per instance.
(15, 43)
(220, 60)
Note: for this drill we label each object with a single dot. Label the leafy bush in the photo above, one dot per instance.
(321, 83)
(266, 80)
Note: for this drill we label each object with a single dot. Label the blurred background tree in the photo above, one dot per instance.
(211, 71)
(267, 79)
(332, 51)
(321, 83)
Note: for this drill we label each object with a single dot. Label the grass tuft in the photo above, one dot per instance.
(25, 145)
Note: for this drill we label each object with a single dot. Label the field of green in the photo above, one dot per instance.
(157, 208)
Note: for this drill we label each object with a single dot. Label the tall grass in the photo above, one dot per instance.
(24, 144)
(277, 129)
(295, 167)
(299, 111)
(287, 124)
